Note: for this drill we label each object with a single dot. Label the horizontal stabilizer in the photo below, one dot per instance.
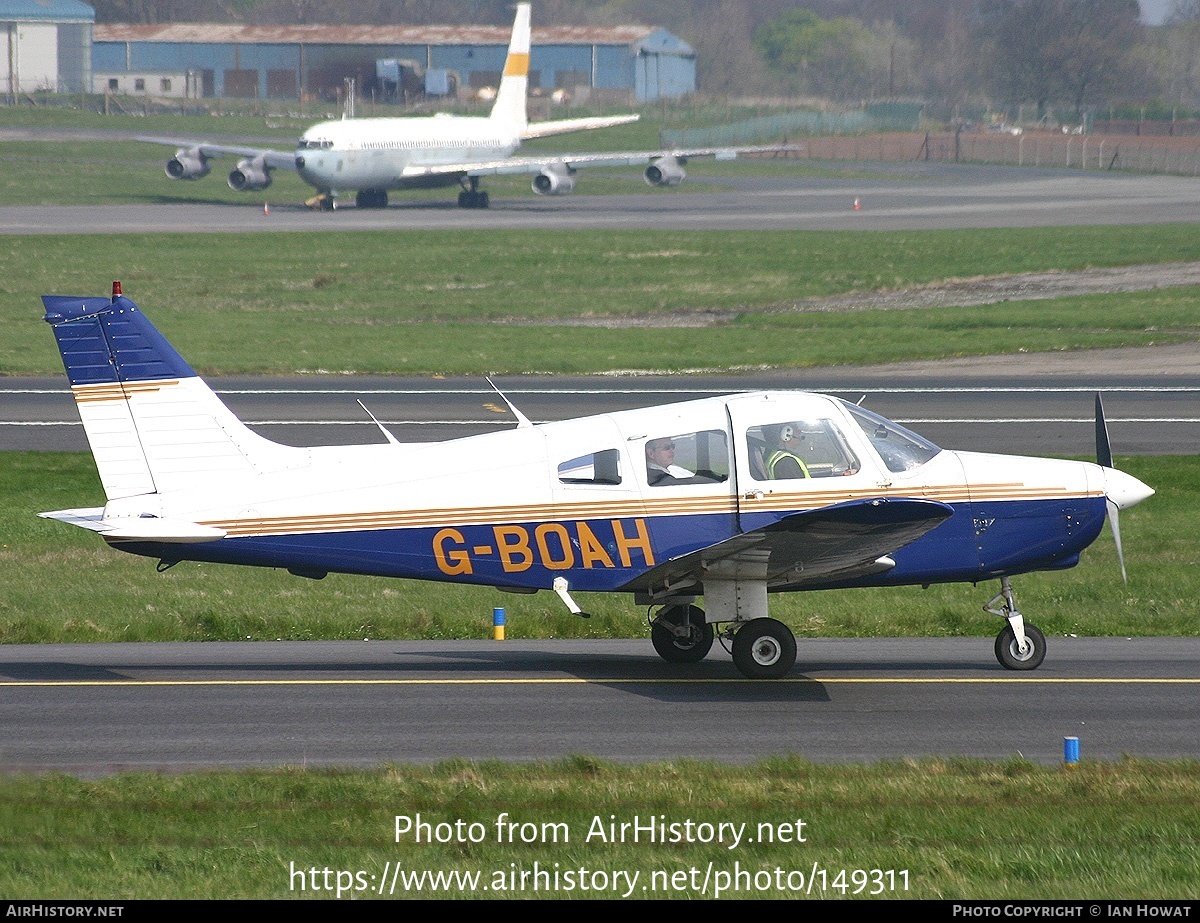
(566, 126)
(137, 529)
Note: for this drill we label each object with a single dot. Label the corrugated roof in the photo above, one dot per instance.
(45, 11)
(212, 33)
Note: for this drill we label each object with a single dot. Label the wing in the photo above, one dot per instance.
(573, 162)
(272, 159)
(809, 549)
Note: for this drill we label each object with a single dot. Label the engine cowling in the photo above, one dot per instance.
(555, 179)
(250, 174)
(188, 163)
(665, 171)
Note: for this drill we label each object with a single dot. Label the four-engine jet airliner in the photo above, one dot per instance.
(372, 156)
(728, 499)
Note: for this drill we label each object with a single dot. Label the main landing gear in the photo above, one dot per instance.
(472, 196)
(1018, 646)
(763, 648)
(371, 198)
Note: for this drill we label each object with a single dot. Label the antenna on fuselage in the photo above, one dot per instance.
(522, 420)
(386, 435)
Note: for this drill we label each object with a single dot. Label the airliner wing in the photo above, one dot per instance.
(271, 158)
(572, 162)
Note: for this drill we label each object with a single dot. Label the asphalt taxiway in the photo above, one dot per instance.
(911, 196)
(99, 708)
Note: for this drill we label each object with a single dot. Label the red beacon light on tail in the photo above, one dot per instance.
(116, 291)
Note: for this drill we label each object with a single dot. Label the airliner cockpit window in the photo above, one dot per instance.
(900, 449)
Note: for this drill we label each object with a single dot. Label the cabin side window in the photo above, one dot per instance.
(601, 467)
(799, 449)
(688, 458)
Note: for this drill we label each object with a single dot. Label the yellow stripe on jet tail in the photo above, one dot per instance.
(517, 64)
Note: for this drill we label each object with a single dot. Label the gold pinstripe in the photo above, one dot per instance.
(548, 512)
(117, 391)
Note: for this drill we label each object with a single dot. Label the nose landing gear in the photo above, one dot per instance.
(1018, 646)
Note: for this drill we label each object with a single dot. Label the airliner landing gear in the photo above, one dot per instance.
(680, 634)
(371, 198)
(472, 196)
(1018, 646)
(764, 649)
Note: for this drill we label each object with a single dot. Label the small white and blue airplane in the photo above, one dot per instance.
(372, 156)
(726, 498)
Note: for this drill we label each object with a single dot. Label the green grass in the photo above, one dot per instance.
(475, 302)
(949, 830)
(49, 574)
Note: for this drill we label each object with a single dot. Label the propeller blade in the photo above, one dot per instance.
(1103, 446)
(1115, 522)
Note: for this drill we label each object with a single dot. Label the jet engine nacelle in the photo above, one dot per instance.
(188, 163)
(555, 179)
(665, 171)
(249, 174)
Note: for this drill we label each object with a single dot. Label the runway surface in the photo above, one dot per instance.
(106, 707)
(893, 197)
(1149, 413)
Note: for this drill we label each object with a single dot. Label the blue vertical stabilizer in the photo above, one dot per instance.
(106, 341)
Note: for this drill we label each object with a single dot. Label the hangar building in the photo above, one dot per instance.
(194, 60)
(47, 46)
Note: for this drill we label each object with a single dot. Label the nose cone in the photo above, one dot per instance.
(1124, 489)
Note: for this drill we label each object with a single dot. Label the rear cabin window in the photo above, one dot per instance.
(600, 467)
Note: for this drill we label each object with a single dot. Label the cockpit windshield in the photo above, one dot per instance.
(901, 449)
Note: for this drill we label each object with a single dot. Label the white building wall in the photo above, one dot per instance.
(28, 57)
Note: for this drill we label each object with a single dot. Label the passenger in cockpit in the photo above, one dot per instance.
(660, 463)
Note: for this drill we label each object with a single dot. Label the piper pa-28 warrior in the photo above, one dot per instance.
(728, 499)
(372, 156)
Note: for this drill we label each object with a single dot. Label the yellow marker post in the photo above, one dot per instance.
(498, 623)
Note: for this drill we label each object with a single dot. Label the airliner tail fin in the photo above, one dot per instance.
(509, 108)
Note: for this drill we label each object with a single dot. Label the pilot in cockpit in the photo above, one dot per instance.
(782, 459)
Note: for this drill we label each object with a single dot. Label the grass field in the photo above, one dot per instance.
(918, 830)
(540, 301)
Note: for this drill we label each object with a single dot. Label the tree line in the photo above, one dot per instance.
(958, 56)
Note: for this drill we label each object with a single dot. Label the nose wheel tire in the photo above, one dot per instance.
(764, 649)
(1010, 655)
(681, 635)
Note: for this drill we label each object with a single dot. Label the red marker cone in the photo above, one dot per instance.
(857, 205)
(267, 207)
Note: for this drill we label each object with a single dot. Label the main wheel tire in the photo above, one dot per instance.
(675, 648)
(1010, 655)
(764, 649)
